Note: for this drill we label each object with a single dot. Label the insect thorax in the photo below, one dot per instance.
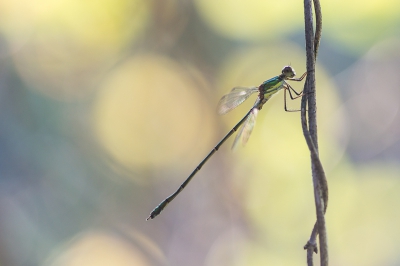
(271, 86)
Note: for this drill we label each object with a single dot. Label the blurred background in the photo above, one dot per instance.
(107, 106)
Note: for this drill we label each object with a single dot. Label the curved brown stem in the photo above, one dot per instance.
(310, 134)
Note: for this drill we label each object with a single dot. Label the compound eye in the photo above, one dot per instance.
(286, 70)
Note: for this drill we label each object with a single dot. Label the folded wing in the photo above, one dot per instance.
(234, 98)
(246, 129)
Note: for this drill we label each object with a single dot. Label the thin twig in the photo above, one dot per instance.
(310, 134)
(318, 26)
(312, 246)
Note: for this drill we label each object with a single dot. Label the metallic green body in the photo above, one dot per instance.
(271, 86)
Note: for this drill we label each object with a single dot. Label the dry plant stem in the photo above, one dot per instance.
(310, 134)
(318, 26)
(312, 247)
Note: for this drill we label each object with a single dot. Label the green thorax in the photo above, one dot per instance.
(271, 86)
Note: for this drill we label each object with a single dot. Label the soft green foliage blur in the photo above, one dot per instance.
(107, 106)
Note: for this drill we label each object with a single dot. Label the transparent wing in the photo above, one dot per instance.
(234, 98)
(246, 129)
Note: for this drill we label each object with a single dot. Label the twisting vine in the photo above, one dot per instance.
(310, 134)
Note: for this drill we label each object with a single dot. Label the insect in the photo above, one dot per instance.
(229, 102)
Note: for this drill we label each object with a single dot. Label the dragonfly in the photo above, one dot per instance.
(232, 100)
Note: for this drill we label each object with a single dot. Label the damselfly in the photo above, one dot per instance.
(229, 102)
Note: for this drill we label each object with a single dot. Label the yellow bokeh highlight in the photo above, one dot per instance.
(359, 24)
(150, 114)
(250, 20)
(106, 23)
(356, 24)
(100, 249)
(63, 48)
(363, 214)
